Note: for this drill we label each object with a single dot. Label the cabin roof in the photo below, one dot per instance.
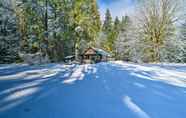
(99, 51)
(102, 52)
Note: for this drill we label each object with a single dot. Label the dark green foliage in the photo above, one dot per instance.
(111, 31)
(183, 31)
(125, 22)
(183, 40)
(108, 23)
(50, 26)
(117, 25)
(9, 36)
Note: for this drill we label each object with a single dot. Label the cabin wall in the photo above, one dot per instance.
(91, 58)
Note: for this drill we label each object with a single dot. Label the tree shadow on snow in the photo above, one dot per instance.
(110, 90)
(16, 92)
(94, 91)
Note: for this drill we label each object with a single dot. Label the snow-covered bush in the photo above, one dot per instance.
(36, 58)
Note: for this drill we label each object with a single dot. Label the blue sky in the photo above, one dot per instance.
(117, 7)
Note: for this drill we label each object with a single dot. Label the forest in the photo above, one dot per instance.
(54, 29)
(92, 58)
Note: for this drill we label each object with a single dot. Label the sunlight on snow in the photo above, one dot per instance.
(141, 76)
(69, 81)
(77, 74)
(26, 74)
(19, 96)
(22, 86)
(156, 72)
(16, 95)
(135, 108)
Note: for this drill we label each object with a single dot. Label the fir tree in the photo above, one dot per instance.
(183, 31)
(125, 22)
(183, 41)
(108, 23)
(9, 36)
(117, 25)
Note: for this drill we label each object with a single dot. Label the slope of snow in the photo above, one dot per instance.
(105, 90)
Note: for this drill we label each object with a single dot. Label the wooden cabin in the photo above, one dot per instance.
(95, 55)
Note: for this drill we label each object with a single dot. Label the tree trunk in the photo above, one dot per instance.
(46, 15)
(46, 43)
(77, 43)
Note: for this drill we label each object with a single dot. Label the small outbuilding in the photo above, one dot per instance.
(95, 55)
(69, 59)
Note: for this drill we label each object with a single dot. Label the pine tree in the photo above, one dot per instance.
(95, 19)
(183, 41)
(9, 36)
(114, 35)
(107, 30)
(183, 31)
(108, 23)
(86, 22)
(32, 26)
(125, 22)
(125, 41)
(111, 31)
(117, 25)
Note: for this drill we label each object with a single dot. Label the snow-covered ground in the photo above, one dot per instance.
(105, 90)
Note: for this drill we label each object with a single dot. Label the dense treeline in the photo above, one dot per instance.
(58, 28)
(54, 27)
(155, 33)
(9, 36)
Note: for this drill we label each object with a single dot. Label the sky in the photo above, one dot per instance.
(117, 7)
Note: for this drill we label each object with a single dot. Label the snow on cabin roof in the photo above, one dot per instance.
(102, 52)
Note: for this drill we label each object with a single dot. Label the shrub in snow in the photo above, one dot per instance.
(36, 58)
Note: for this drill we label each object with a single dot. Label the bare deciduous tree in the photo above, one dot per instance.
(157, 24)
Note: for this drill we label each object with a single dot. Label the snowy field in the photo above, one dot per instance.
(105, 90)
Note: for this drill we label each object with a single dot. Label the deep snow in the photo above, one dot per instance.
(105, 90)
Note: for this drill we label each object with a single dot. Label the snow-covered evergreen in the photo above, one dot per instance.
(9, 36)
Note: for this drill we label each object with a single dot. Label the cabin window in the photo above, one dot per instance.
(86, 57)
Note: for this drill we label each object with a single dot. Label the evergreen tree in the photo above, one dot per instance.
(183, 31)
(107, 30)
(9, 36)
(95, 19)
(111, 30)
(125, 41)
(32, 26)
(117, 25)
(108, 23)
(114, 35)
(86, 22)
(125, 22)
(183, 41)
(61, 29)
